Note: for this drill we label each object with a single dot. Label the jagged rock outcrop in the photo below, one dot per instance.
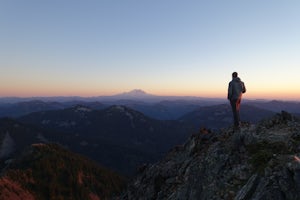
(257, 162)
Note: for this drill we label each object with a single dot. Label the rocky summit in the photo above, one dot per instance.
(258, 161)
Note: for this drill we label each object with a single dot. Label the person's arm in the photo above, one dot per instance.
(243, 87)
(229, 94)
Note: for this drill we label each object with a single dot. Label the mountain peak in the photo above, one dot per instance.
(136, 92)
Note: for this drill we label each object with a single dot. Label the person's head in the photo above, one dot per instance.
(234, 74)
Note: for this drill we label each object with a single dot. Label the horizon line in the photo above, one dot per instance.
(141, 94)
(145, 98)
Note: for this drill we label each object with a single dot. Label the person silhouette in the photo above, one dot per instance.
(236, 88)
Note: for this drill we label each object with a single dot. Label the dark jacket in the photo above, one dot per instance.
(235, 89)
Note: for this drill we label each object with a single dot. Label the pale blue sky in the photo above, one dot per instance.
(166, 47)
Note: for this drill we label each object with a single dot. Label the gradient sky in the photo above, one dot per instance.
(165, 47)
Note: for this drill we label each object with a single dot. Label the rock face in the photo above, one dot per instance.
(257, 162)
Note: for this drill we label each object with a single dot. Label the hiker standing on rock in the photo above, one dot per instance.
(236, 88)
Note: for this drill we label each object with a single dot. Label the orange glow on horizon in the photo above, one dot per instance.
(49, 93)
(84, 91)
(278, 95)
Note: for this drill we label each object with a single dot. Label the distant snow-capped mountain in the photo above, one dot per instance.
(136, 93)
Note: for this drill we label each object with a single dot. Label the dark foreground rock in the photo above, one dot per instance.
(257, 162)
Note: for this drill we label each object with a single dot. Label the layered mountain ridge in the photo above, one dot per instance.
(117, 137)
(259, 161)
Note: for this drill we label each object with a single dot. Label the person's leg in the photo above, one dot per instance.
(235, 113)
(238, 104)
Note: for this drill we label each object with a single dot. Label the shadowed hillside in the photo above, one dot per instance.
(47, 171)
(117, 137)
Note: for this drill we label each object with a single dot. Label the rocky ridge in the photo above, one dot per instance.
(256, 162)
